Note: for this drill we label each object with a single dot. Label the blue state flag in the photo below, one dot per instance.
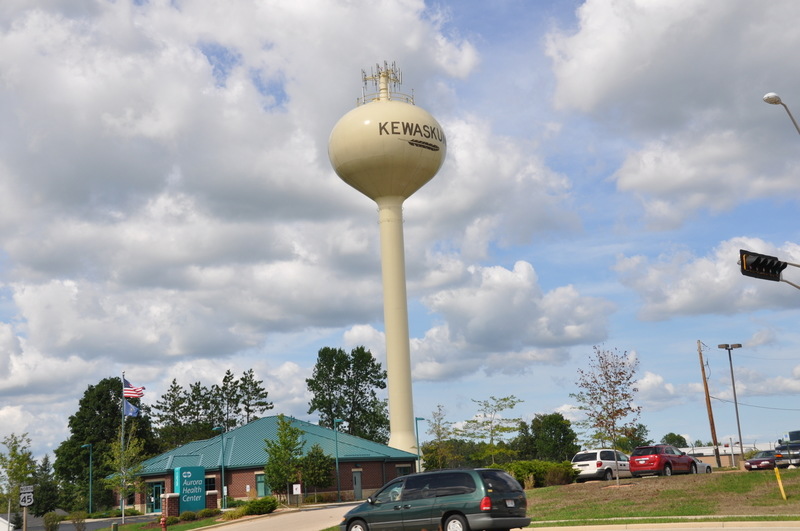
(129, 410)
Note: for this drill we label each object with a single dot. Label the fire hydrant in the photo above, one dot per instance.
(163, 523)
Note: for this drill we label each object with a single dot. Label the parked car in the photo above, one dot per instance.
(761, 461)
(661, 460)
(701, 467)
(787, 454)
(450, 500)
(601, 464)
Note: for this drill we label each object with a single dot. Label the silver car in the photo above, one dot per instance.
(602, 463)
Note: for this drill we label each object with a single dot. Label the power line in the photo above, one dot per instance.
(759, 407)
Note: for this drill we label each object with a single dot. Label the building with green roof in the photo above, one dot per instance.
(364, 465)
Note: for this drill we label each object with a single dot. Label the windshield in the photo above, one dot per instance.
(645, 450)
(586, 456)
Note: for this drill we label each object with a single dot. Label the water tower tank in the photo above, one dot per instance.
(387, 147)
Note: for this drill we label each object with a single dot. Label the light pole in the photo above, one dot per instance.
(774, 99)
(336, 423)
(419, 456)
(728, 347)
(221, 431)
(89, 446)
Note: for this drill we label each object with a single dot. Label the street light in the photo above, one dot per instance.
(728, 347)
(774, 99)
(336, 423)
(419, 457)
(221, 431)
(89, 446)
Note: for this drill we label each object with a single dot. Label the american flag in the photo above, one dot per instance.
(129, 391)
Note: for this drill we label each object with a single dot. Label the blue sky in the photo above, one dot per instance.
(167, 207)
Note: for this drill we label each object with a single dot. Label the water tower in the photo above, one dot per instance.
(387, 148)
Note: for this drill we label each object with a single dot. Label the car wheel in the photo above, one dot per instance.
(357, 525)
(456, 522)
(667, 471)
(708, 470)
(693, 469)
(609, 475)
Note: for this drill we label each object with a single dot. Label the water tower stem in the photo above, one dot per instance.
(395, 315)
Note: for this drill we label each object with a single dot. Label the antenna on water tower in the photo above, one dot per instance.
(387, 148)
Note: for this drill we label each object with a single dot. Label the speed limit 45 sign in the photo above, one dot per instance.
(26, 496)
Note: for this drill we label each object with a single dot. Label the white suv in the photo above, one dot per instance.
(601, 464)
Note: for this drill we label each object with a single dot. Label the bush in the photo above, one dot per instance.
(172, 520)
(264, 505)
(78, 519)
(234, 514)
(188, 516)
(232, 502)
(208, 512)
(51, 521)
(535, 474)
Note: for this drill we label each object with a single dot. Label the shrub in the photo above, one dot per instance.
(78, 519)
(188, 516)
(263, 505)
(51, 521)
(232, 502)
(234, 514)
(172, 520)
(208, 512)
(534, 474)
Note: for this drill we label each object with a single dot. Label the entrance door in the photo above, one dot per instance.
(154, 492)
(357, 485)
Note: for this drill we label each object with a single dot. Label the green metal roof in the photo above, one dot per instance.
(245, 447)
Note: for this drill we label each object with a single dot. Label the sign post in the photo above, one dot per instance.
(25, 501)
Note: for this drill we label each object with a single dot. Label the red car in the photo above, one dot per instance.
(761, 461)
(661, 460)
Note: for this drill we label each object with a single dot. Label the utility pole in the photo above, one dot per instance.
(708, 405)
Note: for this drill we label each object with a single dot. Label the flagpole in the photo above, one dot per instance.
(122, 452)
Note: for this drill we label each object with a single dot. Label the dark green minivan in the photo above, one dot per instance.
(450, 500)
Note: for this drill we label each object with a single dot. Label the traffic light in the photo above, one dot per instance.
(760, 265)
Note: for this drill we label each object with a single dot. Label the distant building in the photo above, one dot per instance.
(364, 466)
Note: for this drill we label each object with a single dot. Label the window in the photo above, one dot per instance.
(211, 483)
(606, 455)
(390, 493)
(453, 483)
(262, 489)
(499, 481)
(403, 470)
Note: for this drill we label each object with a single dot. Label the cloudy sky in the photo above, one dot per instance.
(168, 209)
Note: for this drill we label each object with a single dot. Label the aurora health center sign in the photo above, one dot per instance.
(190, 484)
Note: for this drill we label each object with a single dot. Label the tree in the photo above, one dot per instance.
(678, 441)
(634, 436)
(553, 438)
(438, 453)
(606, 394)
(46, 498)
(283, 456)
(97, 422)
(253, 397)
(17, 465)
(317, 468)
(126, 462)
(345, 387)
(488, 426)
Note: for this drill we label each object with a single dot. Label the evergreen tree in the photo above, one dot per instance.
(284, 455)
(46, 490)
(345, 387)
(253, 397)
